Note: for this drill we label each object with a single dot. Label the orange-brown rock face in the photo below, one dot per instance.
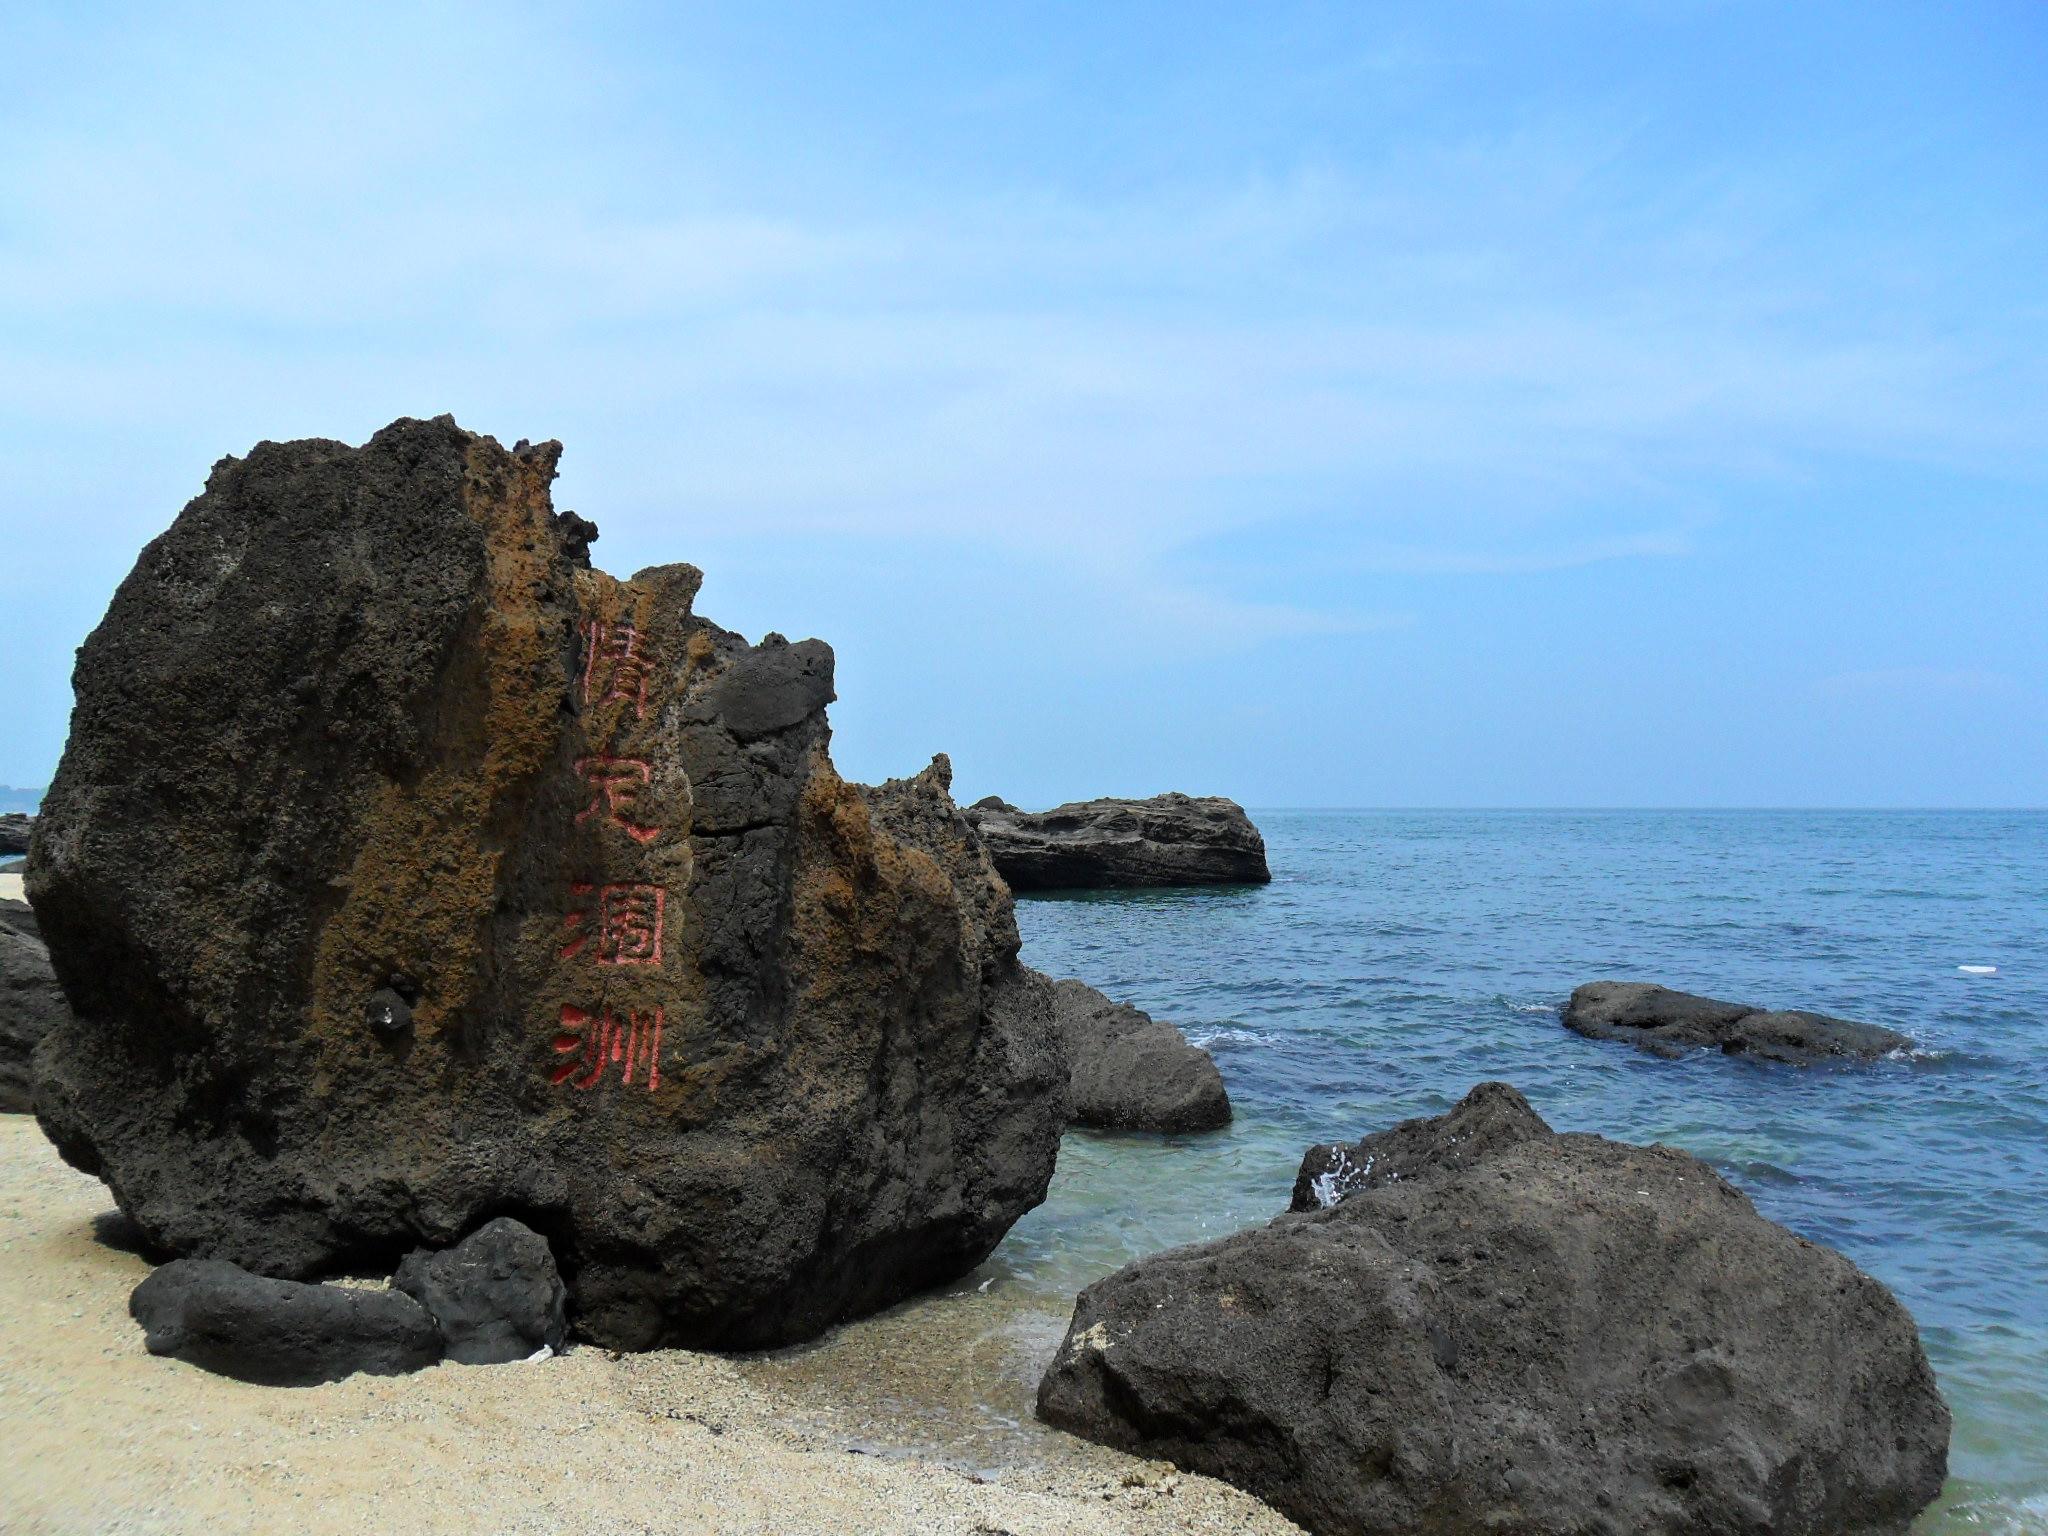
(404, 872)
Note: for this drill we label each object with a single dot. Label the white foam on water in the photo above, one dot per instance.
(1227, 1035)
(1978, 970)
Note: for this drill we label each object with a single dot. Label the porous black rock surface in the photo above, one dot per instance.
(1170, 839)
(405, 872)
(15, 828)
(1669, 1024)
(31, 1005)
(1490, 1117)
(495, 1296)
(281, 1333)
(1562, 1336)
(1127, 1071)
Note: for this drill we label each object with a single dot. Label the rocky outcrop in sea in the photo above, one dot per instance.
(1171, 839)
(14, 833)
(1669, 1024)
(403, 872)
(1127, 1071)
(1524, 1331)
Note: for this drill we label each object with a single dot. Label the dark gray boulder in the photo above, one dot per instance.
(281, 1333)
(1669, 1024)
(495, 1296)
(1490, 1117)
(20, 917)
(1127, 1071)
(31, 1005)
(404, 872)
(1171, 839)
(1562, 1336)
(14, 833)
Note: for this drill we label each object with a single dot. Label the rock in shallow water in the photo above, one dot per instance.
(404, 872)
(495, 1296)
(1668, 1023)
(14, 833)
(1128, 1071)
(279, 1333)
(1561, 1334)
(1170, 839)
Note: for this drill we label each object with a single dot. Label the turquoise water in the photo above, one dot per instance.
(1400, 957)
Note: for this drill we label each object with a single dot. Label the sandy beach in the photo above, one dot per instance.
(105, 1438)
(10, 888)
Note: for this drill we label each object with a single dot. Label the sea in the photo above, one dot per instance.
(1399, 957)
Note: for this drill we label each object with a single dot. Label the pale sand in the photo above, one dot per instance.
(10, 888)
(101, 1437)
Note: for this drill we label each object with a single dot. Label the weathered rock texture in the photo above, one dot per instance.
(1669, 1024)
(280, 1333)
(14, 833)
(1489, 1118)
(1167, 840)
(1562, 1335)
(495, 1296)
(404, 872)
(31, 1005)
(1127, 1071)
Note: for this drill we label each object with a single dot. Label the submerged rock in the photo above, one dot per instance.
(1669, 1024)
(405, 872)
(31, 1005)
(280, 1333)
(1552, 1334)
(1128, 1071)
(1170, 839)
(495, 1296)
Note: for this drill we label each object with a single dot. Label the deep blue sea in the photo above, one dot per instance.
(1400, 957)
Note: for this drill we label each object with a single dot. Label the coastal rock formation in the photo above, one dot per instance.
(1669, 1024)
(14, 831)
(1562, 1334)
(31, 1005)
(1490, 1117)
(1127, 1071)
(1168, 840)
(404, 871)
(495, 1296)
(279, 1333)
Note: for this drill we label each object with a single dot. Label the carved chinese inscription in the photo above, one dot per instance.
(611, 921)
(615, 786)
(593, 1043)
(615, 665)
(616, 924)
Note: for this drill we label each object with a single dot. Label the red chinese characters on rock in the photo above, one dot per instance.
(596, 1042)
(616, 924)
(615, 665)
(615, 786)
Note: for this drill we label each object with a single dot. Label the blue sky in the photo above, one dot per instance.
(1499, 404)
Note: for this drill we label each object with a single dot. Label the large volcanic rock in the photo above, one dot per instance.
(31, 1005)
(1127, 1071)
(1562, 1334)
(1168, 840)
(405, 872)
(1669, 1024)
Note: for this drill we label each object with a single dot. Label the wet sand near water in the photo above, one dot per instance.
(102, 1437)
